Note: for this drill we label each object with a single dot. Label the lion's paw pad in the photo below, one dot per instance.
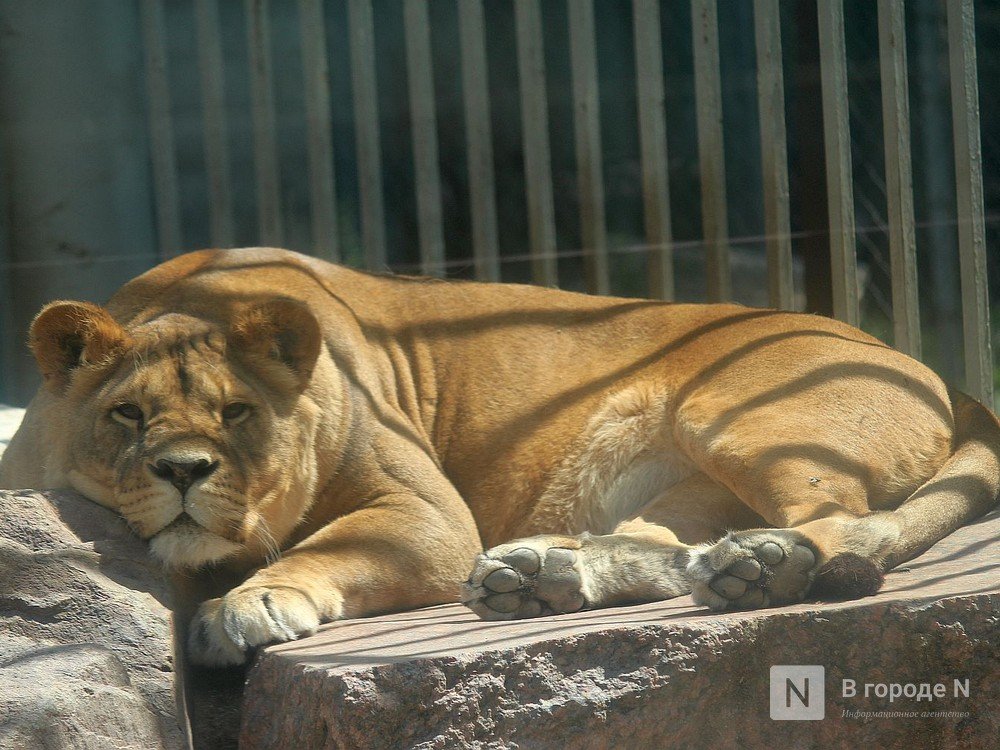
(749, 570)
(224, 630)
(524, 579)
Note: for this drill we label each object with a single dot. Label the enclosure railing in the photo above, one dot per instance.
(587, 128)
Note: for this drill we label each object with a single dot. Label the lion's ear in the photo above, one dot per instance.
(281, 333)
(65, 335)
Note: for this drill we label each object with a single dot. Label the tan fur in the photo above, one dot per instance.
(397, 425)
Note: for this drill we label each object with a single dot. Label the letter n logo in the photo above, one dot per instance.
(797, 693)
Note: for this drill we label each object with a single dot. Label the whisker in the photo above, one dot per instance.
(264, 535)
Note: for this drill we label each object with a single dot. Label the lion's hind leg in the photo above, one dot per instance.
(835, 553)
(550, 574)
(644, 559)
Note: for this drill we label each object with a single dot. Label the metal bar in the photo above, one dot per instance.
(969, 199)
(899, 176)
(322, 184)
(711, 147)
(265, 150)
(161, 131)
(366, 128)
(479, 140)
(653, 146)
(587, 126)
(535, 129)
(774, 153)
(10, 343)
(213, 103)
(837, 143)
(427, 177)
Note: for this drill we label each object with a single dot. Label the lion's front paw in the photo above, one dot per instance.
(224, 630)
(752, 569)
(526, 578)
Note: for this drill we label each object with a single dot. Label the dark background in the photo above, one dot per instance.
(78, 208)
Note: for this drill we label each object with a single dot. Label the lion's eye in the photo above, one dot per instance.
(235, 411)
(127, 412)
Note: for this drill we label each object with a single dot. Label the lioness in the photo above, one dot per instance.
(356, 440)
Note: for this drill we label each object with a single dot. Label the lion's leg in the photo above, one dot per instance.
(850, 487)
(398, 552)
(761, 566)
(837, 549)
(644, 559)
(552, 574)
(841, 556)
(830, 551)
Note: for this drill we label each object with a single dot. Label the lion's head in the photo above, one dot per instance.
(199, 434)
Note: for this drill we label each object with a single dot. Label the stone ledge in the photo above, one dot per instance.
(656, 675)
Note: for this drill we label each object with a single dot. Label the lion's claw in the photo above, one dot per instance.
(224, 630)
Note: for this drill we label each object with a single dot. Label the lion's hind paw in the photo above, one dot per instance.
(754, 569)
(527, 578)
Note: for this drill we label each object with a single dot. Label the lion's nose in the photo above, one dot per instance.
(183, 473)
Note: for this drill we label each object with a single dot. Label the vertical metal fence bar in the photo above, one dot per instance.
(322, 184)
(587, 126)
(427, 178)
(265, 149)
(653, 146)
(837, 144)
(161, 131)
(10, 344)
(213, 102)
(479, 139)
(711, 147)
(969, 199)
(899, 176)
(774, 153)
(366, 128)
(535, 129)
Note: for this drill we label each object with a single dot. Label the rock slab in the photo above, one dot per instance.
(659, 675)
(86, 650)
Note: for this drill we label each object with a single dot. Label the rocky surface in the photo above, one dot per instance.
(665, 674)
(86, 660)
(86, 656)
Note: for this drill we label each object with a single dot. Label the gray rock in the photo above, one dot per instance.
(73, 696)
(658, 675)
(86, 650)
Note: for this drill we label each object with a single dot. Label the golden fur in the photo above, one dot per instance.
(349, 443)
